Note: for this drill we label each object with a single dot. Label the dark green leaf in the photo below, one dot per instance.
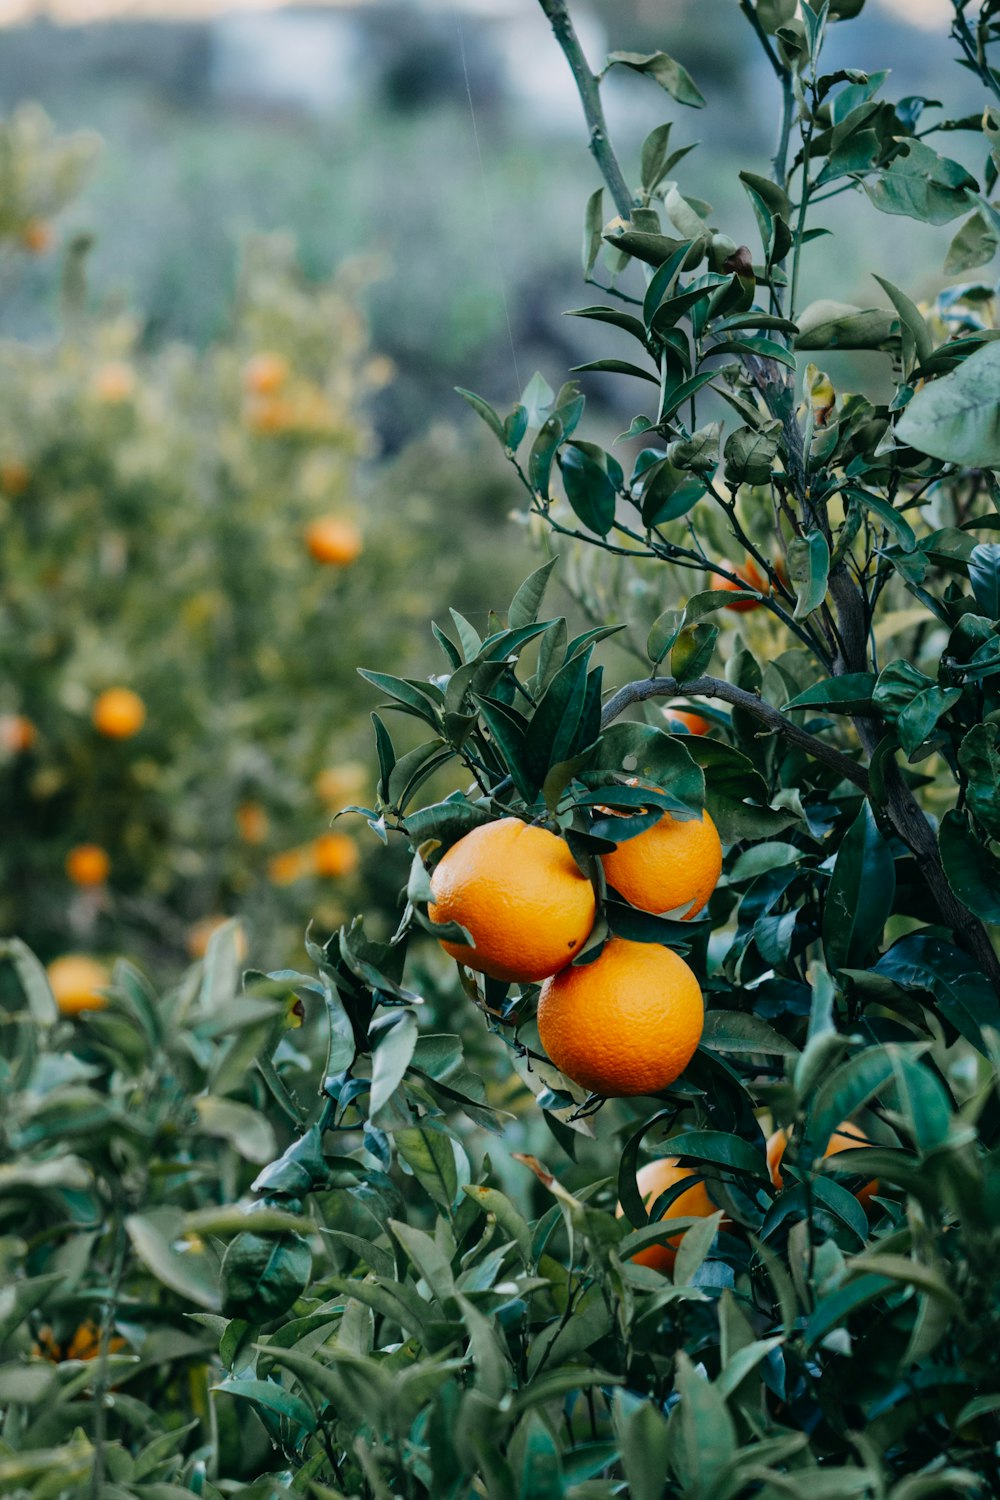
(860, 894)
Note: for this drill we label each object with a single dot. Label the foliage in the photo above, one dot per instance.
(154, 506)
(405, 1299)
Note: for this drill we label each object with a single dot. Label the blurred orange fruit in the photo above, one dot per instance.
(693, 723)
(628, 1023)
(85, 1343)
(694, 1203)
(674, 864)
(520, 894)
(335, 854)
(88, 864)
(114, 382)
(750, 577)
(36, 236)
(331, 539)
(17, 734)
(267, 415)
(290, 866)
(76, 981)
(265, 373)
(252, 822)
(15, 477)
(337, 785)
(119, 713)
(201, 932)
(846, 1137)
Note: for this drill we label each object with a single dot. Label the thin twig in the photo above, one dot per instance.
(590, 97)
(715, 687)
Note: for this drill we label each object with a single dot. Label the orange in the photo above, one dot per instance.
(85, 1343)
(750, 577)
(114, 382)
(252, 822)
(88, 864)
(270, 414)
(846, 1137)
(335, 854)
(333, 540)
(17, 734)
(520, 894)
(119, 713)
(15, 477)
(265, 373)
(36, 236)
(676, 863)
(626, 1024)
(652, 1180)
(693, 723)
(290, 866)
(76, 982)
(339, 784)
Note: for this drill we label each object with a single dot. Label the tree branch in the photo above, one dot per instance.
(716, 687)
(593, 109)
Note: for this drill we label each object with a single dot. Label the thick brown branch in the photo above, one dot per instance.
(590, 97)
(775, 720)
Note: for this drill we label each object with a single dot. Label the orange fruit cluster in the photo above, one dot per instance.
(625, 1023)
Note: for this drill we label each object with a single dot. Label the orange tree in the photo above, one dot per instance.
(190, 540)
(766, 1263)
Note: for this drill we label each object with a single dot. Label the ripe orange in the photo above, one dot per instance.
(673, 864)
(520, 894)
(265, 373)
(693, 723)
(750, 577)
(119, 713)
(339, 784)
(114, 382)
(17, 734)
(85, 1343)
(286, 868)
(846, 1137)
(335, 854)
(36, 236)
(652, 1180)
(628, 1023)
(76, 982)
(252, 822)
(330, 539)
(88, 864)
(15, 477)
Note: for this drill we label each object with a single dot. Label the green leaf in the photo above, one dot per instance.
(984, 575)
(692, 651)
(898, 525)
(721, 1150)
(706, 1441)
(616, 367)
(627, 322)
(749, 453)
(832, 1312)
(543, 451)
(979, 758)
(552, 729)
(957, 416)
(850, 694)
(483, 409)
(973, 871)
(645, 1445)
(693, 1250)
(540, 1475)
(808, 571)
(245, 1128)
(190, 1272)
(670, 75)
(593, 230)
(263, 1275)
(391, 1058)
(975, 244)
(860, 895)
(744, 1033)
(920, 716)
(427, 1256)
(920, 184)
(272, 1397)
(918, 346)
(840, 325)
(663, 633)
(537, 398)
(527, 601)
(844, 1091)
(429, 1154)
(590, 488)
(33, 980)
